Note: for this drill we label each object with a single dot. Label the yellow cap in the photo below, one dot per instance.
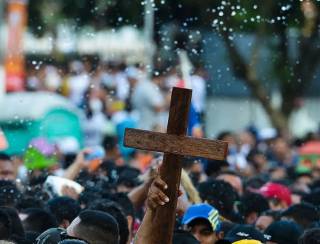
(247, 242)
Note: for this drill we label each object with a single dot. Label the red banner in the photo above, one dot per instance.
(14, 59)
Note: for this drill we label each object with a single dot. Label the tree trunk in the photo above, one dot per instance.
(248, 74)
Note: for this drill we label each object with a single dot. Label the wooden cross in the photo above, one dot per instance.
(175, 144)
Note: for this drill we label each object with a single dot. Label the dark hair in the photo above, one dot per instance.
(213, 167)
(276, 215)
(226, 226)
(97, 227)
(17, 230)
(51, 236)
(183, 237)
(223, 134)
(4, 157)
(109, 142)
(255, 182)
(27, 201)
(128, 176)
(313, 197)
(284, 232)
(64, 208)
(303, 213)
(219, 194)
(9, 193)
(123, 200)
(31, 236)
(252, 202)
(115, 211)
(311, 236)
(5, 225)
(38, 220)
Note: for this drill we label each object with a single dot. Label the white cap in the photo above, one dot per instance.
(267, 133)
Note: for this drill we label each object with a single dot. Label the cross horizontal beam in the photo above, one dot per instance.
(180, 145)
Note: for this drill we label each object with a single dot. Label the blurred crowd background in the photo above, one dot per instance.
(72, 80)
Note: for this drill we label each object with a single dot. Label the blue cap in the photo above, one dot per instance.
(202, 211)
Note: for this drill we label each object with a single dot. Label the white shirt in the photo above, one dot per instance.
(93, 129)
(146, 97)
(78, 85)
(199, 93)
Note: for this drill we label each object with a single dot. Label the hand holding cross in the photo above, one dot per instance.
(175, 145)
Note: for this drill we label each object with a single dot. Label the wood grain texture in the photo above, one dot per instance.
(180, 145)
(170, 170)
(175, 145)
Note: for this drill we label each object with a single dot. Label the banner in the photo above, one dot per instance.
(14, 58)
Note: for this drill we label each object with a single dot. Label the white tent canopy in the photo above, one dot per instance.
(126, 43)
(31, 105)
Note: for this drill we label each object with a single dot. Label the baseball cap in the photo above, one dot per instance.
(202, 211)
(245, 232)
(50, 236)
(247, 242)
(277, 191)
(284, 232)
(58, 235)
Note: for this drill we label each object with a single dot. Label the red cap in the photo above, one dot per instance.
(278, 191)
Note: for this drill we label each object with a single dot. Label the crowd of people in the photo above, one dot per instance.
(112, 92)
(266, 191)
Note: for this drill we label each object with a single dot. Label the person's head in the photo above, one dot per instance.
(278, 195)
(9, 193)
(284, 232)
(110, 145)
(244, 232)
(127, 178)
(184, 237)
(115, 211)
(227, 136)
(233, 179)
(304, 214)
(266, 219)
(38, 220)
(5, 225)
(95, 227)
(214, 167)
(65, 210)
(50, 236)
(57, 235)
(280, 147)
(225, 227)
(127, 207)
(313, 197)
(219, 194)
(311, 236)
(17, 230)
(251, 205)
(303, 180)
(7, 169)
(202, 221)
(258, 159)
(254, 183)
(247, 138)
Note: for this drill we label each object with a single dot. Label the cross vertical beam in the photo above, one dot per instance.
(170, 170)
(175, 144)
